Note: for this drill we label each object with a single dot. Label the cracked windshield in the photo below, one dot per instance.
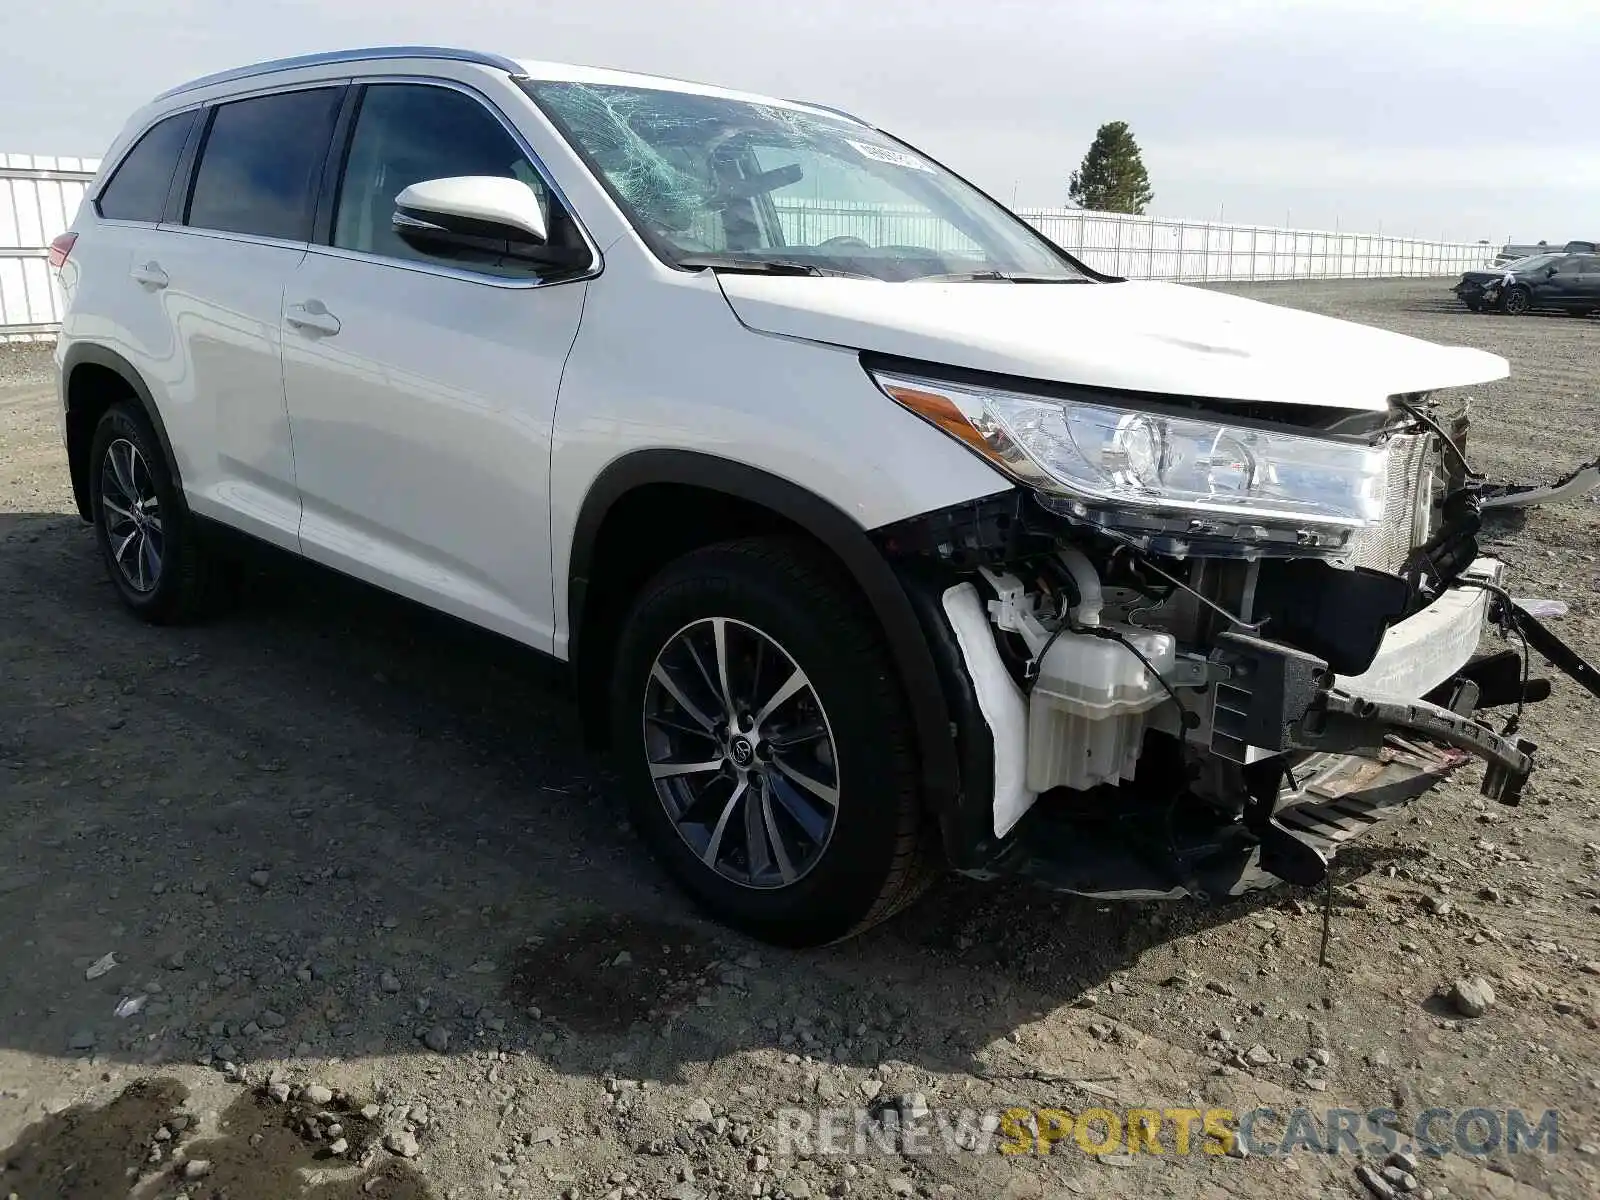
(733, 185)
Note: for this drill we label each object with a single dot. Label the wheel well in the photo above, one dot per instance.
(651, 506)
(91, 389)
(643, 531)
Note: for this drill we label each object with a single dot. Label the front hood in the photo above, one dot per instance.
(1147, 337)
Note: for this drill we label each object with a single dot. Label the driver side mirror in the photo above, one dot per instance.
(475, 215)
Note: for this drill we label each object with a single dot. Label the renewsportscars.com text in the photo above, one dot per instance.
(1177, 1131)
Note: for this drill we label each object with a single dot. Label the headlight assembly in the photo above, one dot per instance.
(1096, 457)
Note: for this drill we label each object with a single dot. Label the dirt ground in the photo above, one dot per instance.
(386, 933)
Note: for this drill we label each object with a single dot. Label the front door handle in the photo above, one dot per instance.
(150, 275)
(312, 317)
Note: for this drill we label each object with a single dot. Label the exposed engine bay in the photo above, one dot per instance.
(1177, 705)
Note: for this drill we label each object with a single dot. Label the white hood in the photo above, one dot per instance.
(1145, 337)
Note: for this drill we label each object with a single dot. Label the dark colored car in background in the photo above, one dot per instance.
(1512, 252)
(1564, 282)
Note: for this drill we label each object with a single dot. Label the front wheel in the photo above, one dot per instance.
(1517, 301)
(766, 745)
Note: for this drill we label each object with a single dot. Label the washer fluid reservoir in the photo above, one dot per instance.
(1086, 713)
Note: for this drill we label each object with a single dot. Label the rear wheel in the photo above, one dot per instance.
(1517, 301)
(766, 744)
(147, 538)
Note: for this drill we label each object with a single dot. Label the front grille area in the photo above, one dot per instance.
(1407, 507)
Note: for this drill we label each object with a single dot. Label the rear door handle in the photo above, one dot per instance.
(312, 317)
(150, 275)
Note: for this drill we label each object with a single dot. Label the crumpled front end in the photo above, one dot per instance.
(1159, 703)
(1480, 289)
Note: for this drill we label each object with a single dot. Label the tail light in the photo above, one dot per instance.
(60, 248)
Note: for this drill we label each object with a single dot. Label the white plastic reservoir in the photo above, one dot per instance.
(1086, 711)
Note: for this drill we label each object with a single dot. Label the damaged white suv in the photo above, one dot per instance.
(881, 534)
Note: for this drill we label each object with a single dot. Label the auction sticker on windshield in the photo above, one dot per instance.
(896, 158)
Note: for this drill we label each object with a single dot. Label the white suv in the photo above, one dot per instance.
(878, 530)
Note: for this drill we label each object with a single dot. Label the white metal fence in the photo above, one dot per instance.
(1155, 247)
(39, 195)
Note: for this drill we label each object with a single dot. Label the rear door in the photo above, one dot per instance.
(241, 228)
(1589, 283)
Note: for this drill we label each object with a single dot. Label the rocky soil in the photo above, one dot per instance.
(322, 899)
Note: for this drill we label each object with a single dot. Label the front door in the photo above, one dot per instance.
(421, 390)
(1560, 284)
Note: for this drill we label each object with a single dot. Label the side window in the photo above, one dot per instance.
(138, 188)
(261, 162)
(406, 133)
(1570, 265)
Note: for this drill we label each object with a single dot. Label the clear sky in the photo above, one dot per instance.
(1434, 118)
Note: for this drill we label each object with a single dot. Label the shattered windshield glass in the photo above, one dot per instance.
(709, 180)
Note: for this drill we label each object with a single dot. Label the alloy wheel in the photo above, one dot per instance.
(131, 513)
(740, 753)
(1516, 302)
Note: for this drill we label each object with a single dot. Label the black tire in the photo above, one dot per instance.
(1517, 301)
(180, 582)
(1473, 305)
(785, 593)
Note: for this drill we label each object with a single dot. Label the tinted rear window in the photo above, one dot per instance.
(138, 189)
(259, 168)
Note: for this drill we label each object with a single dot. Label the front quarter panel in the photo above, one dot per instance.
(662, 363)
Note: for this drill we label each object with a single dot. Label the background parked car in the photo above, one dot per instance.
(1512, 252)
(1564, 282)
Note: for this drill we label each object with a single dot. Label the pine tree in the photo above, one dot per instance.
(1112, 177)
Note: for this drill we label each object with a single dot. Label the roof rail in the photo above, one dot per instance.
(343, 56)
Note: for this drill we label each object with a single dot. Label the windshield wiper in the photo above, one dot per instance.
(752, 266)
(764, 266)
(998, 276)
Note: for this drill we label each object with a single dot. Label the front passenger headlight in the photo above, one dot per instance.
(1099, 456)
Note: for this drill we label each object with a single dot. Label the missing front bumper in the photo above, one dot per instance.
(1313, 812)
(1323, 763)
(1327, 802)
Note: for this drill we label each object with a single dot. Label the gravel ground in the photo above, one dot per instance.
(379, 929)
